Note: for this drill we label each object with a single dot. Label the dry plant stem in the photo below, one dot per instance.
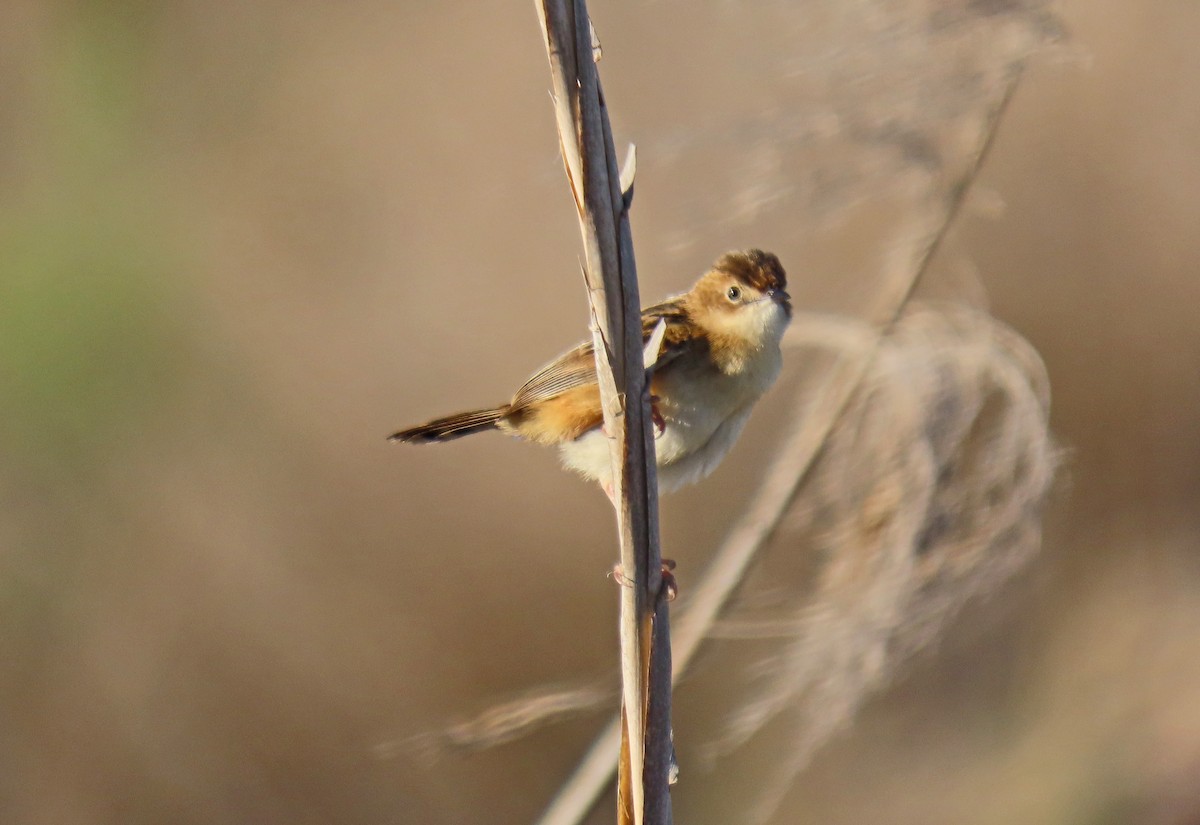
(585, 138)
(780, 486)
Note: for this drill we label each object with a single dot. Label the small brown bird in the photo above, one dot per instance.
(719, 354)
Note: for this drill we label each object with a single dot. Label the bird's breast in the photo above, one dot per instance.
(695, 400)
(703, 410)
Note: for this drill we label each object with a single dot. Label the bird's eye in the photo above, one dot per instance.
(733, 293)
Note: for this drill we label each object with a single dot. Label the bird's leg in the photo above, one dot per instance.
(656, 417)
(660, 423)
(670, 587)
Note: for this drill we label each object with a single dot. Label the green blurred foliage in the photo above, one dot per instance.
(89, 348)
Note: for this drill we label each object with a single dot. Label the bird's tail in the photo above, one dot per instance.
(451, 427)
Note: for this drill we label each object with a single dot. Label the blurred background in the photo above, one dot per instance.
(241, 244)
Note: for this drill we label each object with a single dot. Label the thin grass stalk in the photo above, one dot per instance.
(589, 157)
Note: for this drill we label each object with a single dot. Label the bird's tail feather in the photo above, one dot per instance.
(451, 427)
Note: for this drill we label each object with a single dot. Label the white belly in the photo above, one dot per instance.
(704, 414)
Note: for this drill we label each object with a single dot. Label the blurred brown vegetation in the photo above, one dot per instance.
(241, 244)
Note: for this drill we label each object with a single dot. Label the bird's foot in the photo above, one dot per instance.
(660, 423)
(669, 588)
(618, 575)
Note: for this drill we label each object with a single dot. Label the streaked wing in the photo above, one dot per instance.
(571, 369)
(577, 367)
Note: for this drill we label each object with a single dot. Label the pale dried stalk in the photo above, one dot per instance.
(927, 495)
(585, 138)
(783, 480)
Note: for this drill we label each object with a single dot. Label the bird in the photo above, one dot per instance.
(720, 353)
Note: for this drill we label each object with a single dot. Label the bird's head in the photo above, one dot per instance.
(742, 300)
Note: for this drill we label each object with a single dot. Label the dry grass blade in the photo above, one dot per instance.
(602, 197)
(928, 492)
(500, 723)
(788, 473)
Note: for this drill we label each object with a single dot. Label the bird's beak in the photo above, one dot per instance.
(781, 297)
